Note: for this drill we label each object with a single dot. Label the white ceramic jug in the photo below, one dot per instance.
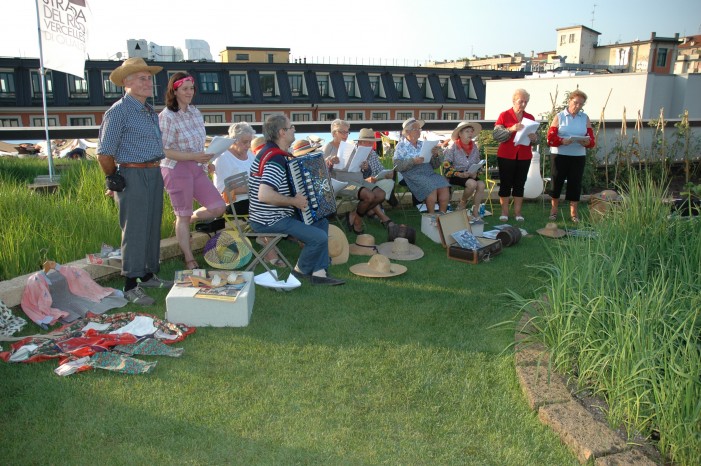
(534, 182)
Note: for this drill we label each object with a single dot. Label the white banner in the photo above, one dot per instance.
(64, 34)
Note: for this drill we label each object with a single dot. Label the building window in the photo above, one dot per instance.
(323, 82)
(297, 86)
(239, 117)
(109, 89)
(422, 81)
(242, 57)
(81, 121)
(427, 115)
(404, 115)
(213, 117)
(399, 85)
(271, 58)
(349, 83)
(239, 85)
(77, 87)
(571, 38)
(661, 58)
(301, 116)
(209, 83)
(7, 85)
(472, 116)
(327, 116)
(446, 87)
(39, 121)
(376, 86)
(267, 84)
(350, 116)
(469, 88)
(379, 116)
(450, 115)
(563, 39)
(36, 85)
(9, 122)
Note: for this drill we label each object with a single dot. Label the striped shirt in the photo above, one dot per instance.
(182, 131)
(130, 133)
(275, 176)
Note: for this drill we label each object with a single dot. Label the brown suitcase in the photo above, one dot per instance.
(456, 221)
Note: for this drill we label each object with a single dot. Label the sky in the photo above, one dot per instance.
(408, 32)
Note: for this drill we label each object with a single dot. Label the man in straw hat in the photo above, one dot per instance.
(369, 195)
(130, 145)
(272, 204)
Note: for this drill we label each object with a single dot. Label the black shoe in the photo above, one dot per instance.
(330, 281)
(300, 276)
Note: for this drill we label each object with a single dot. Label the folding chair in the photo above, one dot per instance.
(489, 182)
(268, 241)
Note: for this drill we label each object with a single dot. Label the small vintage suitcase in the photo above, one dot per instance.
(456, 221)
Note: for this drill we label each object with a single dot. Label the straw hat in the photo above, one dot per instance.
(400, 249)
(364, 245)
(552, 231)
(411, 121)
(257, 144)
(131, 66)
(377, 267)
(464, 124)
(338, 245)
(301, 147)
(227, 250)
(608, 195)
(367, 134)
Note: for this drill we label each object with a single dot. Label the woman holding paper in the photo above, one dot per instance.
(569, 136)
(513, 159)
(184, 169)
(462, 164)
(418, 167)
(237, 159)
(339, 156)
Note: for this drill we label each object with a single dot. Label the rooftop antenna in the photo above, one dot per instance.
(593, 10)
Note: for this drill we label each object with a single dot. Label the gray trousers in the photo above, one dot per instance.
(140, 213)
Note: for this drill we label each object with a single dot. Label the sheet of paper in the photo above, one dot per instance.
(426, 147)
(345, 150)
(359, 156)
(578, 138)
(338, 185)
(383, 174)
(218, 145)
(529, 127)
(475, 167)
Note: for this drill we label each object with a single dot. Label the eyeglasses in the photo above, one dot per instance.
(291, 127)
(342, 132)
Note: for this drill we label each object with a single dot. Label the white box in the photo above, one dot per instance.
(182, 307)
(429, 227)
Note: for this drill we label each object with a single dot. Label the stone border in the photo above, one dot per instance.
(547, 393)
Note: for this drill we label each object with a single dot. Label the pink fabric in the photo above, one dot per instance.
(36, 298)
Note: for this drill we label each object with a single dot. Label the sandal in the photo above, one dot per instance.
(503, 218)
(191, 265)
(519, 218)
(575, 219)
(553, 216)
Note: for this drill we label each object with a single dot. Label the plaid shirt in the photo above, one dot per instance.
(183, 131)
(129, 132)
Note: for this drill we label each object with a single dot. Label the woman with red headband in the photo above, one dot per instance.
(184, 169)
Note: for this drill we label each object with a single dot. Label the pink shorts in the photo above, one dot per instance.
(187, 182)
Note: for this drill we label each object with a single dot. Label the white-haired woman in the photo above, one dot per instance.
(237, 159)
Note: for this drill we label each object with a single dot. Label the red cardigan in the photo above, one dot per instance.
(506, 149)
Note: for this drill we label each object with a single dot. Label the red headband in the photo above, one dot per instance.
(182, 81)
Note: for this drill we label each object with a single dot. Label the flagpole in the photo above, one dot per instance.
(42, 72)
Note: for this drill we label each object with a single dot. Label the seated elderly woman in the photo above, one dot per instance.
(237, 159)
(458, 158)
(424, 183)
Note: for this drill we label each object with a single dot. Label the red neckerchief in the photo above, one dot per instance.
(467, 149)
(266, 154)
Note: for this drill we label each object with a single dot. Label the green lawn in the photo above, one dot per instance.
(405, 370)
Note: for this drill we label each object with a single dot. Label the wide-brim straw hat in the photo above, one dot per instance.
(367, 134)
(401, 250)
(131, 66)
(364, 245)
(464, 124)
(378, 266)
(338, 245)
(227, 250)
(552, 231)
(302, 147)
(411, 121)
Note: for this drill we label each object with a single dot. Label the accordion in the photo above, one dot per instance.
(309, 176)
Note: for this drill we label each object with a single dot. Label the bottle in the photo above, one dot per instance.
(482, 210)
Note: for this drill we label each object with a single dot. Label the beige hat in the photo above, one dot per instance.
(552, 231)
(411, 121)
(377, 267)
(338, 245)
(131, 66)
(464, 124)
(401, 250)
(257, 144)
(302, 146)
(367, 134)
(364, 245)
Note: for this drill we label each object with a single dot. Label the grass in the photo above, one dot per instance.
(409, 370)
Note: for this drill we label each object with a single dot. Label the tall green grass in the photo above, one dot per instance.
(622, 312)
(63, 226)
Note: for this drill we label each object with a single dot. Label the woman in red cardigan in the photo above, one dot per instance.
(513, 161)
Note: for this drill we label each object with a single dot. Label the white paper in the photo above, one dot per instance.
(218, 145)
(270, 280)
(338, 185)
(426, 148)
(578, 138)
(529, 127)
(359, 156)
(475, 167)
(345, 150)
(383, 174)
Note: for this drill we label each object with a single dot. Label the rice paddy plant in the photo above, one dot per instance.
(621, 312)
